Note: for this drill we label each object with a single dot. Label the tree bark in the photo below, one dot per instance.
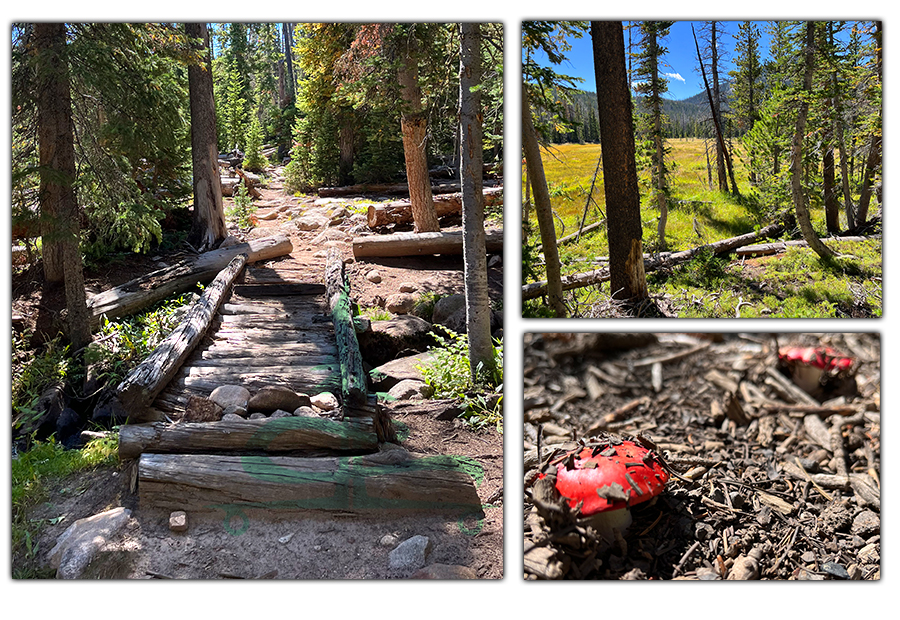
(208, 225)
(144, 383)
(287, 32)
(478, 307)
(542, 207)
(865, 194)
(797, 192)
(623, 201)
(832, 206)
(56, 145)
(414, 126)
(418, 244)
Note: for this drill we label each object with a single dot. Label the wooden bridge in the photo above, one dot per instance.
(282, 322)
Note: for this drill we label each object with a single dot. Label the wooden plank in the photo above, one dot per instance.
(286, 289)
(205, 384)
(138, 390)
(294, 362)
(273, 486)
(354, 384)
(294, 435)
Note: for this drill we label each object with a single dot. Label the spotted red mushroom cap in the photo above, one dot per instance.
(609, 477)
(823, 358)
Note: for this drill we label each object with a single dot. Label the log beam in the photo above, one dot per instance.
(416, 244)
(144, 383)
(353, 377)
(400, 212)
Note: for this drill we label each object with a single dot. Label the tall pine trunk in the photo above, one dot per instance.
(56, 146)
(208, 226)
(478, 308)
(414, 126)
(799, 196)
(623, 201)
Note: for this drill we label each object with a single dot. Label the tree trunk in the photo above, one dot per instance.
(400, 211)
(478, 306)
(542, 207)
(208, 225)
(56, 144)
(418, 244)
(797, 192)
(832, 207)
(716, 109)
(353, 377)
(623, 201)
(414, 126)
(287, 30)
(144, 383)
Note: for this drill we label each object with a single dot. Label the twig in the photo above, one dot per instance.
(685, 557)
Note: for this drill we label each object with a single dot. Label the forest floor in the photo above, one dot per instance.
(779, 485)
(283, 547)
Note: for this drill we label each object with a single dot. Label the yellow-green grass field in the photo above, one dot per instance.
(788, 285)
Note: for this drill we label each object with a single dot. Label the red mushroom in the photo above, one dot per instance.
(603, 480)
(807, 365)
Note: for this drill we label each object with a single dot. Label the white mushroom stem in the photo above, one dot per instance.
(807, 377)
(605, 522)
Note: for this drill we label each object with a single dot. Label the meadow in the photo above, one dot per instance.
(791, 284)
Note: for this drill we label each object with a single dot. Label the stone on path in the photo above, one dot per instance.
(410, 554)
(81, 542)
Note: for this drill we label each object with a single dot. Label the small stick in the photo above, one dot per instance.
(685, 557)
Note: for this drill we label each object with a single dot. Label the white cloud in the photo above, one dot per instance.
(674, 76)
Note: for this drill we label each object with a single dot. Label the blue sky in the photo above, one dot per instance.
(680, 61)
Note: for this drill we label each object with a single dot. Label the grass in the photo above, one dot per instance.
(32, 472)
(794, 284)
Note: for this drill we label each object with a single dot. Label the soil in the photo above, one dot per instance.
(280, 547)
(763, 490)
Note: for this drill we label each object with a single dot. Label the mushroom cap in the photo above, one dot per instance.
(824, 358)
(609, 476)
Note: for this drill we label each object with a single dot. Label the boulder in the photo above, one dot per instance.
(400, 303)
(387, 339)
(411, 389)
(80, 543)
(388, 375)
(230, 396)
(410, 554)
(326, 401)
(200, 409)
(446, 307)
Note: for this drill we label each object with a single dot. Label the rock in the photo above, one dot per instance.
(446, 307)
(281, 414)
(178, 521)
(230, 396)
(329, 235)
(68, 428)
(238, 411)
(229, 241)
(410, 554)
(274, 397)
(373, 276)
(388, 375)
(410, 389)
(866, 524)
(200, 409)
(387, 339)
(445, 571)
(400, 303)
(388, 540)
(408, 287)
(339, 214)
(78, 545)
(311, 221)
(362, 324)
(326, 401)
(869, 554)
(306, 412)
(257, 416)
(232, 417)
(495, 261)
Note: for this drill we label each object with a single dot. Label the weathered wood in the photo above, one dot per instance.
(140, 387)
(781, 246)
(384, 189)
(286, 289)
(598, 276)
(353, 377)
(294, 435)
(182, 276)
(416, 244)
(306, 383)
(400, 212)
(385, 483)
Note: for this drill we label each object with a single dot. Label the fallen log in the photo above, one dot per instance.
(353, 377)
(392, 482)
(597, 276)
(182, 276)
(400, 212)
(416, 244)
(781, 246)
(144, 383)
(384, 189)
(290, 435)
